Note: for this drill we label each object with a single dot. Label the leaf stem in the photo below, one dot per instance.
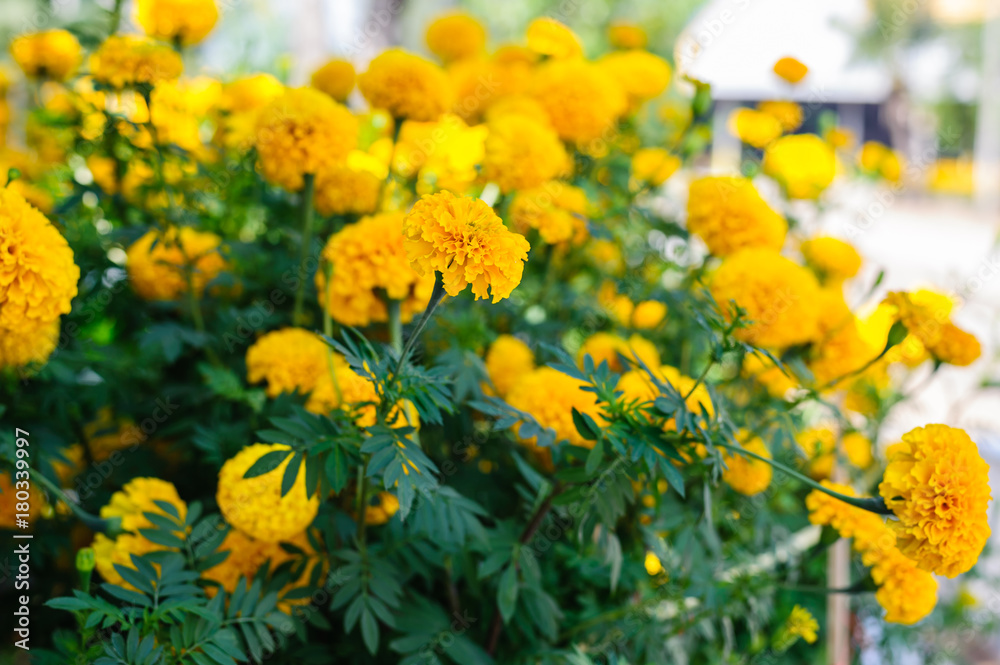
(306, 218)
(395, 325)
(436, 295)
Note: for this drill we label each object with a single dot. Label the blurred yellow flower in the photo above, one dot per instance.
(335, 78)
(652, 564)
(754, 128)
(521, 153)
(819, 445)
(858, 449)
(880, 160)
(27, 345)
(550, 397)
(729, 215)
(626, 36)
(803, 164)
(583, 102)
(456, 36)
(800, 623)
(654, 165)
(789, 114)
(288, 360)
(547, 36)
(833, 260)
(557, 210)
(747, 475)
(407, 86)
(641, 74)
(790, 69)
(125, 60)
(138, 496)
(609, 347)
(184, 21)
(51, 54)
(507, 360)
(162, 265)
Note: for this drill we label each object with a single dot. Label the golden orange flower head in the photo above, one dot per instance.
(804, 165)
(638, 388)
(456, 36)
(303, 132)
(956, 346)
(833, 260)
(342, 189)
(123, 61)
(407, 86)
(789, 114)
(288, 360)
(840, 353)
(654, 166)
(367, 259)
(550, 397)
(138, 496)
(162, 265)
(26, 346)
(641, 74)
(50, 54)
(465, 241)
(790, 70)
(507, 360)
(800, 623)
(184, 21)
(583, 102)
(625, 36)
(907, 593)
(248, 555)
(111, 551)
(521, 153)
(648, 314)
(255, 505)
(557, 210)
(335, 78)
(547, 36)
(747, 475)
(937, 485)
(755, 128)
(729, 215)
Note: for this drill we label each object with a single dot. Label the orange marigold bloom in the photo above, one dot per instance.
(789, 114)
(521, 153)
(747, 475)
(163, 265)
(550, 396)
(641, 74)
(654, 165)
(125, 60)
(790, 69)
(53, 54)
(637, 387)
(938, 487)
(804, 165)
(728, 214)
(626, 36)
(335, 78)
(465, 241)
(955, 346)
(556, 209)
(754, 128)
(609, 347)
(288, 360)
(834, 260)
(456, 36)
(407, 86)
(507, 361)
(184, 21)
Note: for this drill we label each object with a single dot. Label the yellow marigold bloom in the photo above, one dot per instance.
(182, 258)
(938, 487)
(923, 315)
(747, 475)
(507, 360)
(858, 449)
(456, 36)
(407, 86)
(335, 78)
(550, 396)
(907, 593)
(754, 128)
(303, 131)
(839, 137)
(626, 36)
(138, 497)
(654, 165)
(345, 390)
(124, 60)
(547, 36)
(834, 260)
(800, 623)
(608, 347)
(247, 555)
(368, 259)
(779, 296)
(803, 164)
(652, 564)
(956, 347)
(25, 346)
(839, 354)
(789, 114)
(880, 160)
(729, 215)
(465, 241)
(638, 388)
(521, 153)
(641, 74)
(769, 375)
(866, 528)
(480, 82)
(790, 69)
(108, 552)
(517, 105)
(37, 274)
(583, 102)
(53, 54)
(381, 507)
(618, 307)
(557, 210)
(184, 21)
(342, 190)
(819, 445)
(255, 505)
(288, 360)
(648, 314)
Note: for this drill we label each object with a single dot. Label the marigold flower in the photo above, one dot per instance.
(858, 449)
(303, 132)
(508, 74)
(804, 165)
(255, 505)
(53, 54)
(790, 69)
(653, 564)
(163, 271)
(289, 360)
(517, 105)
(25, 346)
(626, 36)
(550, 397)
(547, 36)
(184, 21)
(608, 347)
(729, 215)
(407, 86)
(747, 475)
(335, 78)
(557, 210)
(124, 60)
(839, 354)
(769, 375)
(456, 36)
(583, 102)
(880, 160)
(247, 555)
(648, 314)
(37, 274)
(342, 190)
(521, 153)
(654, 165)
(641, 74)
(839, 137)
(789, 114)
(833, 260)
(138, 496)
(507, 360)
(106, 434)
(907, 593)
(368, 259)
(955, 346)
(780, 297)
(754, 128)
(938, 487)
(800, 623)
(464, 240)
(179, 108)
(238, 106)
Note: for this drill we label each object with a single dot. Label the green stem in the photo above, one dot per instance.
(436, 295)
(328, 331)
(362, 502)
(395, 325)
(109, 527)
(116, 17)
(873, 505)
(397, 128)
(701, 377)
(306, 214)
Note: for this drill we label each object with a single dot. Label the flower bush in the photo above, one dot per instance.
(253, 410)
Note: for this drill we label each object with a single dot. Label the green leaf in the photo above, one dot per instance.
(897, 333)
(585, 425)
(369, 630)
(337, 471)
(507, 593)
(291, 473)
(267, 463)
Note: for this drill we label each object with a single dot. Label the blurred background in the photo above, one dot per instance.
(921, 76)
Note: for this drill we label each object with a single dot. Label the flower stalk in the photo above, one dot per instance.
(306, 218)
